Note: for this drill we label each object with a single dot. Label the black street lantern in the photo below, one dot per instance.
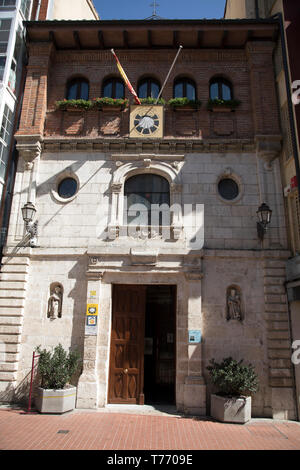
(264, 215)
(28, 212)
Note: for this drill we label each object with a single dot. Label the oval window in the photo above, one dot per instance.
(228, 189)
(67, 188)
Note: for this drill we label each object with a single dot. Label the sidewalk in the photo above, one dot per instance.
(109, 429)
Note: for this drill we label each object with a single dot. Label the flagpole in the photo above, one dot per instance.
(167, 77)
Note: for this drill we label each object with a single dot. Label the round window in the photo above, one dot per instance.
(67, 188)
(228, 189)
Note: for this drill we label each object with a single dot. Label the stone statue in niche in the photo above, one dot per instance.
(55, 301)
(234, 304)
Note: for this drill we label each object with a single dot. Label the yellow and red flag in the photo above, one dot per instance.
(125, 78)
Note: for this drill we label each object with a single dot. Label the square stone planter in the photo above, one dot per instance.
(55, 401)
(231, 410)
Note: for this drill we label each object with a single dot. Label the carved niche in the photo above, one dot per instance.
(55, 301)
(234, 310)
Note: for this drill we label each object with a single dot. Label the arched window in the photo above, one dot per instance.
(78, 89)
(185, 88)
(141, 193)
(148, 88)
(113, 88)
(221, 89)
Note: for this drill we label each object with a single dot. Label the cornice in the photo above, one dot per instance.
(165, 146)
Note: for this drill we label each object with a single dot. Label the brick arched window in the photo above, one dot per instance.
(113, 88)
(221, 89)
(77, 89)
(185, 88)
(142, 192)
(148, 88)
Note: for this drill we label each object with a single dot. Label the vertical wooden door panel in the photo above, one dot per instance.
(127, 345)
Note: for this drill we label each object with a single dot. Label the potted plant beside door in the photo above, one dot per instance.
(236, 383)
(56, 394)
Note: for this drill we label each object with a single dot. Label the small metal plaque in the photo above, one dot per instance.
(194, 336)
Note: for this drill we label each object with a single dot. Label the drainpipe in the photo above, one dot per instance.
(279, 16)
(38, 10)
(256, 10)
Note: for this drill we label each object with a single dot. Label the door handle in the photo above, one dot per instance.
(125, 371)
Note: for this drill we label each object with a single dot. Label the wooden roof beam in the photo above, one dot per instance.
(101, 39)
(77, 39)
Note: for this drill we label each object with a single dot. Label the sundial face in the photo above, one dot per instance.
(146, 121)
(146, 124)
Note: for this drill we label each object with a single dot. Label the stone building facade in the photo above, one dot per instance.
(287, 72)
(149, 311)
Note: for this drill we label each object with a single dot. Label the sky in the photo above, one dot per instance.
(168, 9)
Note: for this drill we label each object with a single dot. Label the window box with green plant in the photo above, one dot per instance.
(145, 101)
(107, 104)
(74, 105)
(236, 383)
(184, 104)
(56, 395)
(218, 105)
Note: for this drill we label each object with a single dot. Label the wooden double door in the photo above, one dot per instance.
(126, 376)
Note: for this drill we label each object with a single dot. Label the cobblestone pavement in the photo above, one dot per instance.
(111, 430)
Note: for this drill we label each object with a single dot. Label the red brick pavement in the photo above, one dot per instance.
(119, 431)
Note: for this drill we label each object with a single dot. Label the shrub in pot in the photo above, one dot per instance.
(56, 395)
(236, 383)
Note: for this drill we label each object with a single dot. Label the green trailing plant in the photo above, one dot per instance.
(227, 103)
(178, 102)
(117, 102)
(56, 368)
(149, 100)
(233, 378)
(76, 104)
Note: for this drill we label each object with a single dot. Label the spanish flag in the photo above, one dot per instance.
(125, 78)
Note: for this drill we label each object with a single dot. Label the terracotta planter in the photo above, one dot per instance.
(231, 410)
(185, 108)
(222, 109)
(111, 108)
(55, 401)
(71, 109)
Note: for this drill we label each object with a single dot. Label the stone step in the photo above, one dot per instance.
(274, 281)
(9, 357)
(276, 308)
(15, 268)
(21, 277)
(281, 382)
(8, 320)
(280, 363)
(13, 339)
(12, 294)
(283, 373)
(12, 302)
(269, 290)
(10, 330)
(279, 344)
(12, 311)
(276, 316)
(275, 299)
(269, 263)
(8, 367)
(12, 286)
(278, 335)
(9, 348)
(15, 260)
(278, 325)
(275, 272)
(8, 376)
(279, 353)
